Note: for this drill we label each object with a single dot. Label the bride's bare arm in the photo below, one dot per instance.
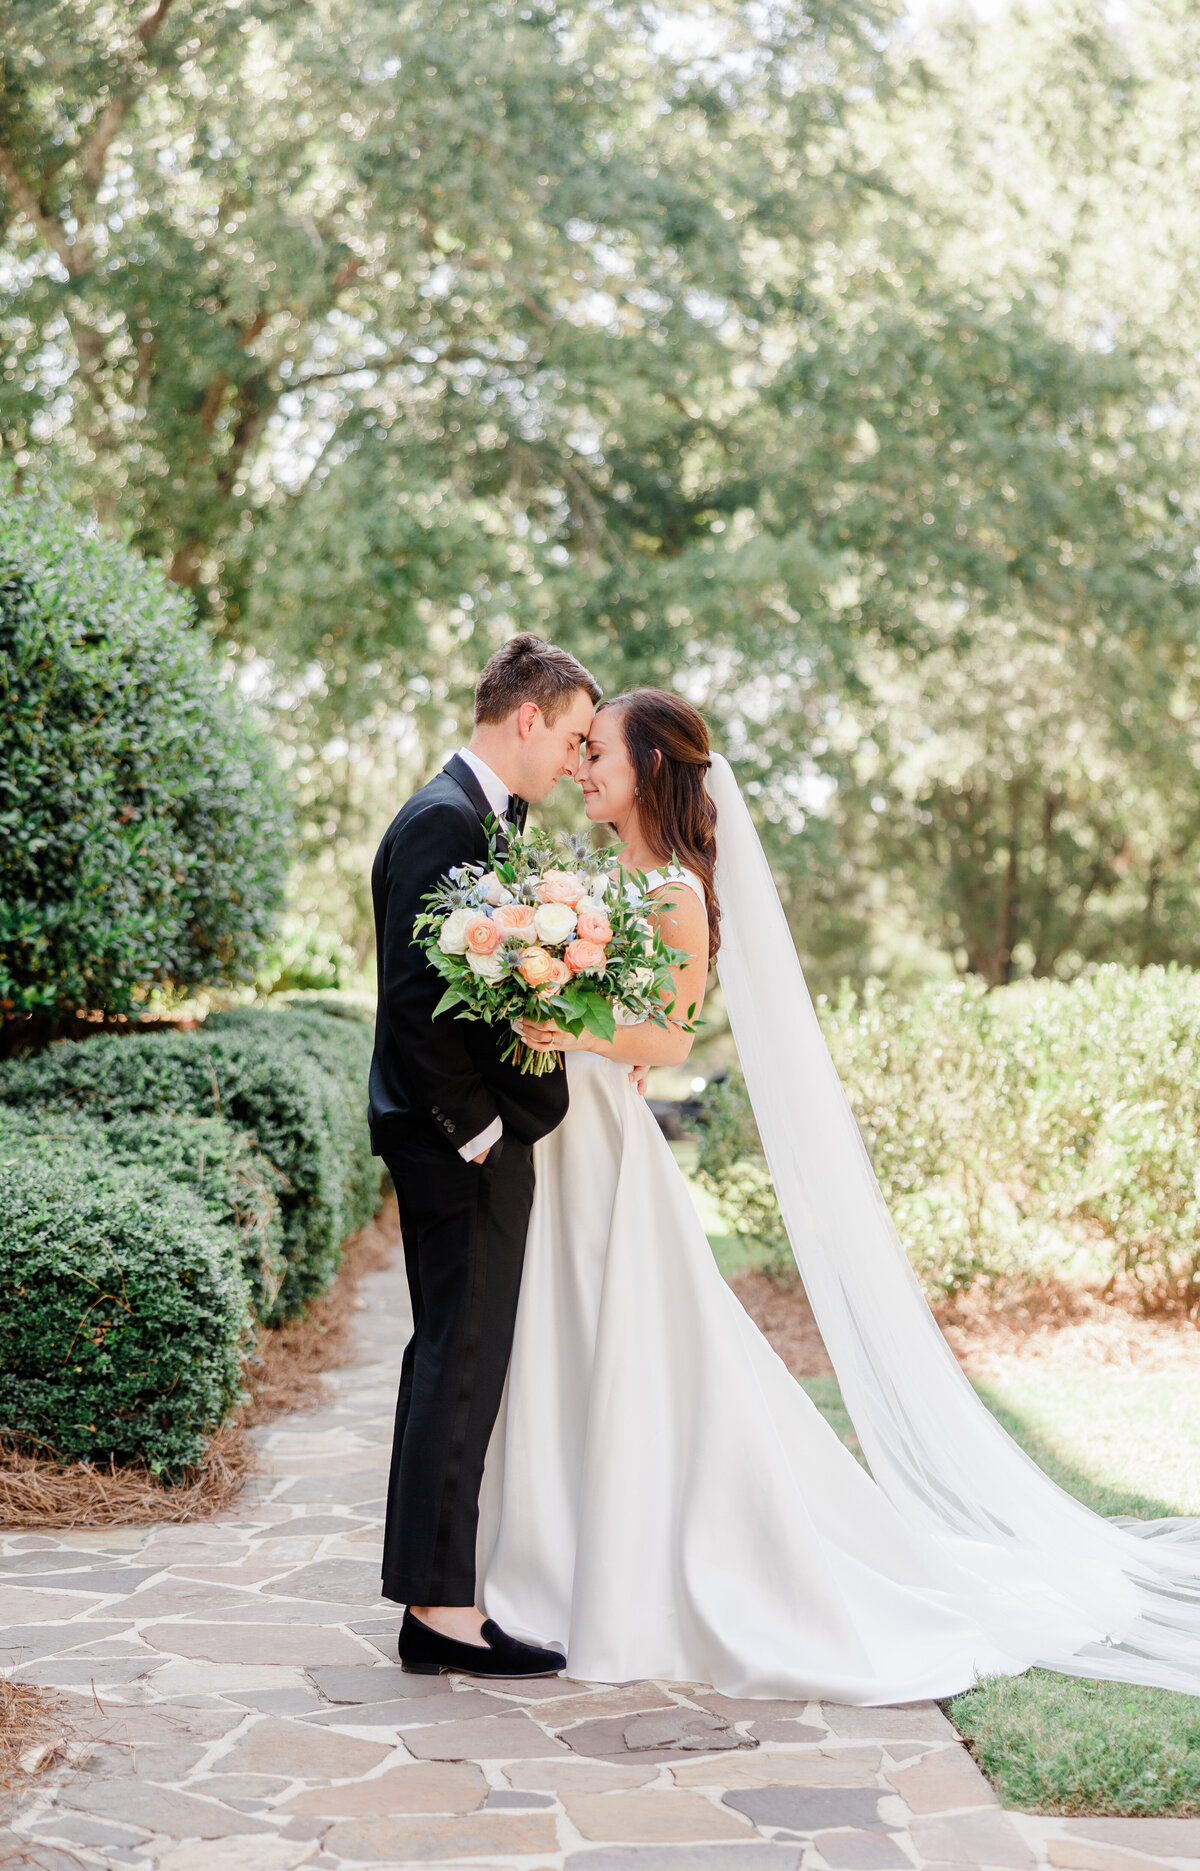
(684, 925)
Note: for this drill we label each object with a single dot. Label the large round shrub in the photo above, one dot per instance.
(143, 828)
(124, 1317)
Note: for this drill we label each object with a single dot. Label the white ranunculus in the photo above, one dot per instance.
(451, 939)
(493, 891)
(644, 977)
(489, 967)
(554, 923)
(625, 1016)
(588, 903)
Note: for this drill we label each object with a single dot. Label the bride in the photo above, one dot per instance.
(661, 1497)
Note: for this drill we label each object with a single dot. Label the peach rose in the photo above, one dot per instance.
(594, 926)
(561, 887)
(560, 975)
(584, 957)
(536, 966)
(481, 936)
(515, 922)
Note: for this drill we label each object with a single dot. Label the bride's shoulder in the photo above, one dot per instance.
(674, 874)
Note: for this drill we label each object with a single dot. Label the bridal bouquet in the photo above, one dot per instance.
(553, 929)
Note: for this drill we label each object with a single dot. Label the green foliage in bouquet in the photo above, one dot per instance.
(540, 900)
(124, 1318)
(143, 829)
(1040, 1128)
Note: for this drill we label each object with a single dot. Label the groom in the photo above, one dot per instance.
(456, 1127)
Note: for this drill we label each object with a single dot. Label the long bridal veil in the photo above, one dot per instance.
(934, 1449)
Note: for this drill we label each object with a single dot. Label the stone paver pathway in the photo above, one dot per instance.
(236, 1706)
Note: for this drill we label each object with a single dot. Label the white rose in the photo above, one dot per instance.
(625, 1016)
(588, 903)
(489, 967)
(493, 891)
(554, 923)
(451, 940)
(644, 978)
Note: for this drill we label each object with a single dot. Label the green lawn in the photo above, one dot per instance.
(1123, 1443)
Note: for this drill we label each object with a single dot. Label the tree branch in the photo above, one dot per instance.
(34, 209)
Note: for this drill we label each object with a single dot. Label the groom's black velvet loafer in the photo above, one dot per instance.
(425, 1652)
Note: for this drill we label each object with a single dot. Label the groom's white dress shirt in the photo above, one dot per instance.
(496, 793)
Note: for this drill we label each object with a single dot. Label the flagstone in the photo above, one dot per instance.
(179, 1598)
(608, 1737)
(278, 1701)
(650, 1818)
(618, 1701)
(861, 1851)
(397, 1841)
(250, 1643)
(941, 1780)
(275, 1745)
(1164, 1838)
(490, 1738)
(186, 1678)
(788, 1731)
(62, 1673)
(274, 1854)
(692, 1730)
(21, 1602)
(393, 1714)
(312, 1526)
(367, 1682)
(159, 1809)
(105, 1581)
(852, 1768)
(732, 1856)
(568, 1776)
(1076, 1855)
(21, 1642)
(514, 1798)
(806, 1809)
(422, 1787)
(986, 1838)
(751, 1709)
(346, 1490)
(917, 1721)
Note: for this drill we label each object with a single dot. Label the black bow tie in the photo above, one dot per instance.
(518, 812)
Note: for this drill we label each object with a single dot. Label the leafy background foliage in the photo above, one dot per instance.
(835, 367)
(143, 830)
(1046, 1128)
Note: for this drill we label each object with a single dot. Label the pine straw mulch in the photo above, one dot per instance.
(285, 1373)
(33, 1727)
(1053, 1325)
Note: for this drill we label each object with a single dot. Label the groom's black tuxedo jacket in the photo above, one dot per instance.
(446, 1073)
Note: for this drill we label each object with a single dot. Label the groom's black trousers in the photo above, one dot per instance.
(464, 1230)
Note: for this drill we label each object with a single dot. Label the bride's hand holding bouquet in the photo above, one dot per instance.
(554, 934)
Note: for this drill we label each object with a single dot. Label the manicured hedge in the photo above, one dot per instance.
(238, 1186)
(144, 831)
(124, 1317)
(1041, 1128)
(294, 1082)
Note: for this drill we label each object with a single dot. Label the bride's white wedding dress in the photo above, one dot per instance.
(661, 1497)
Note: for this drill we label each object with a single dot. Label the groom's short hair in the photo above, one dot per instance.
(528, 669)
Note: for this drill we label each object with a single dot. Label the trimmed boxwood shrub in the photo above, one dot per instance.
(295, 1083)
(340, 1040)
(124, 1318)
(144, 836)
(238, 1186)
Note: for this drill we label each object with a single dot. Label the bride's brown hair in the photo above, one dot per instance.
(668, 747)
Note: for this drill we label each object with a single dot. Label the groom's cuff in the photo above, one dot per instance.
(484, 1141)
